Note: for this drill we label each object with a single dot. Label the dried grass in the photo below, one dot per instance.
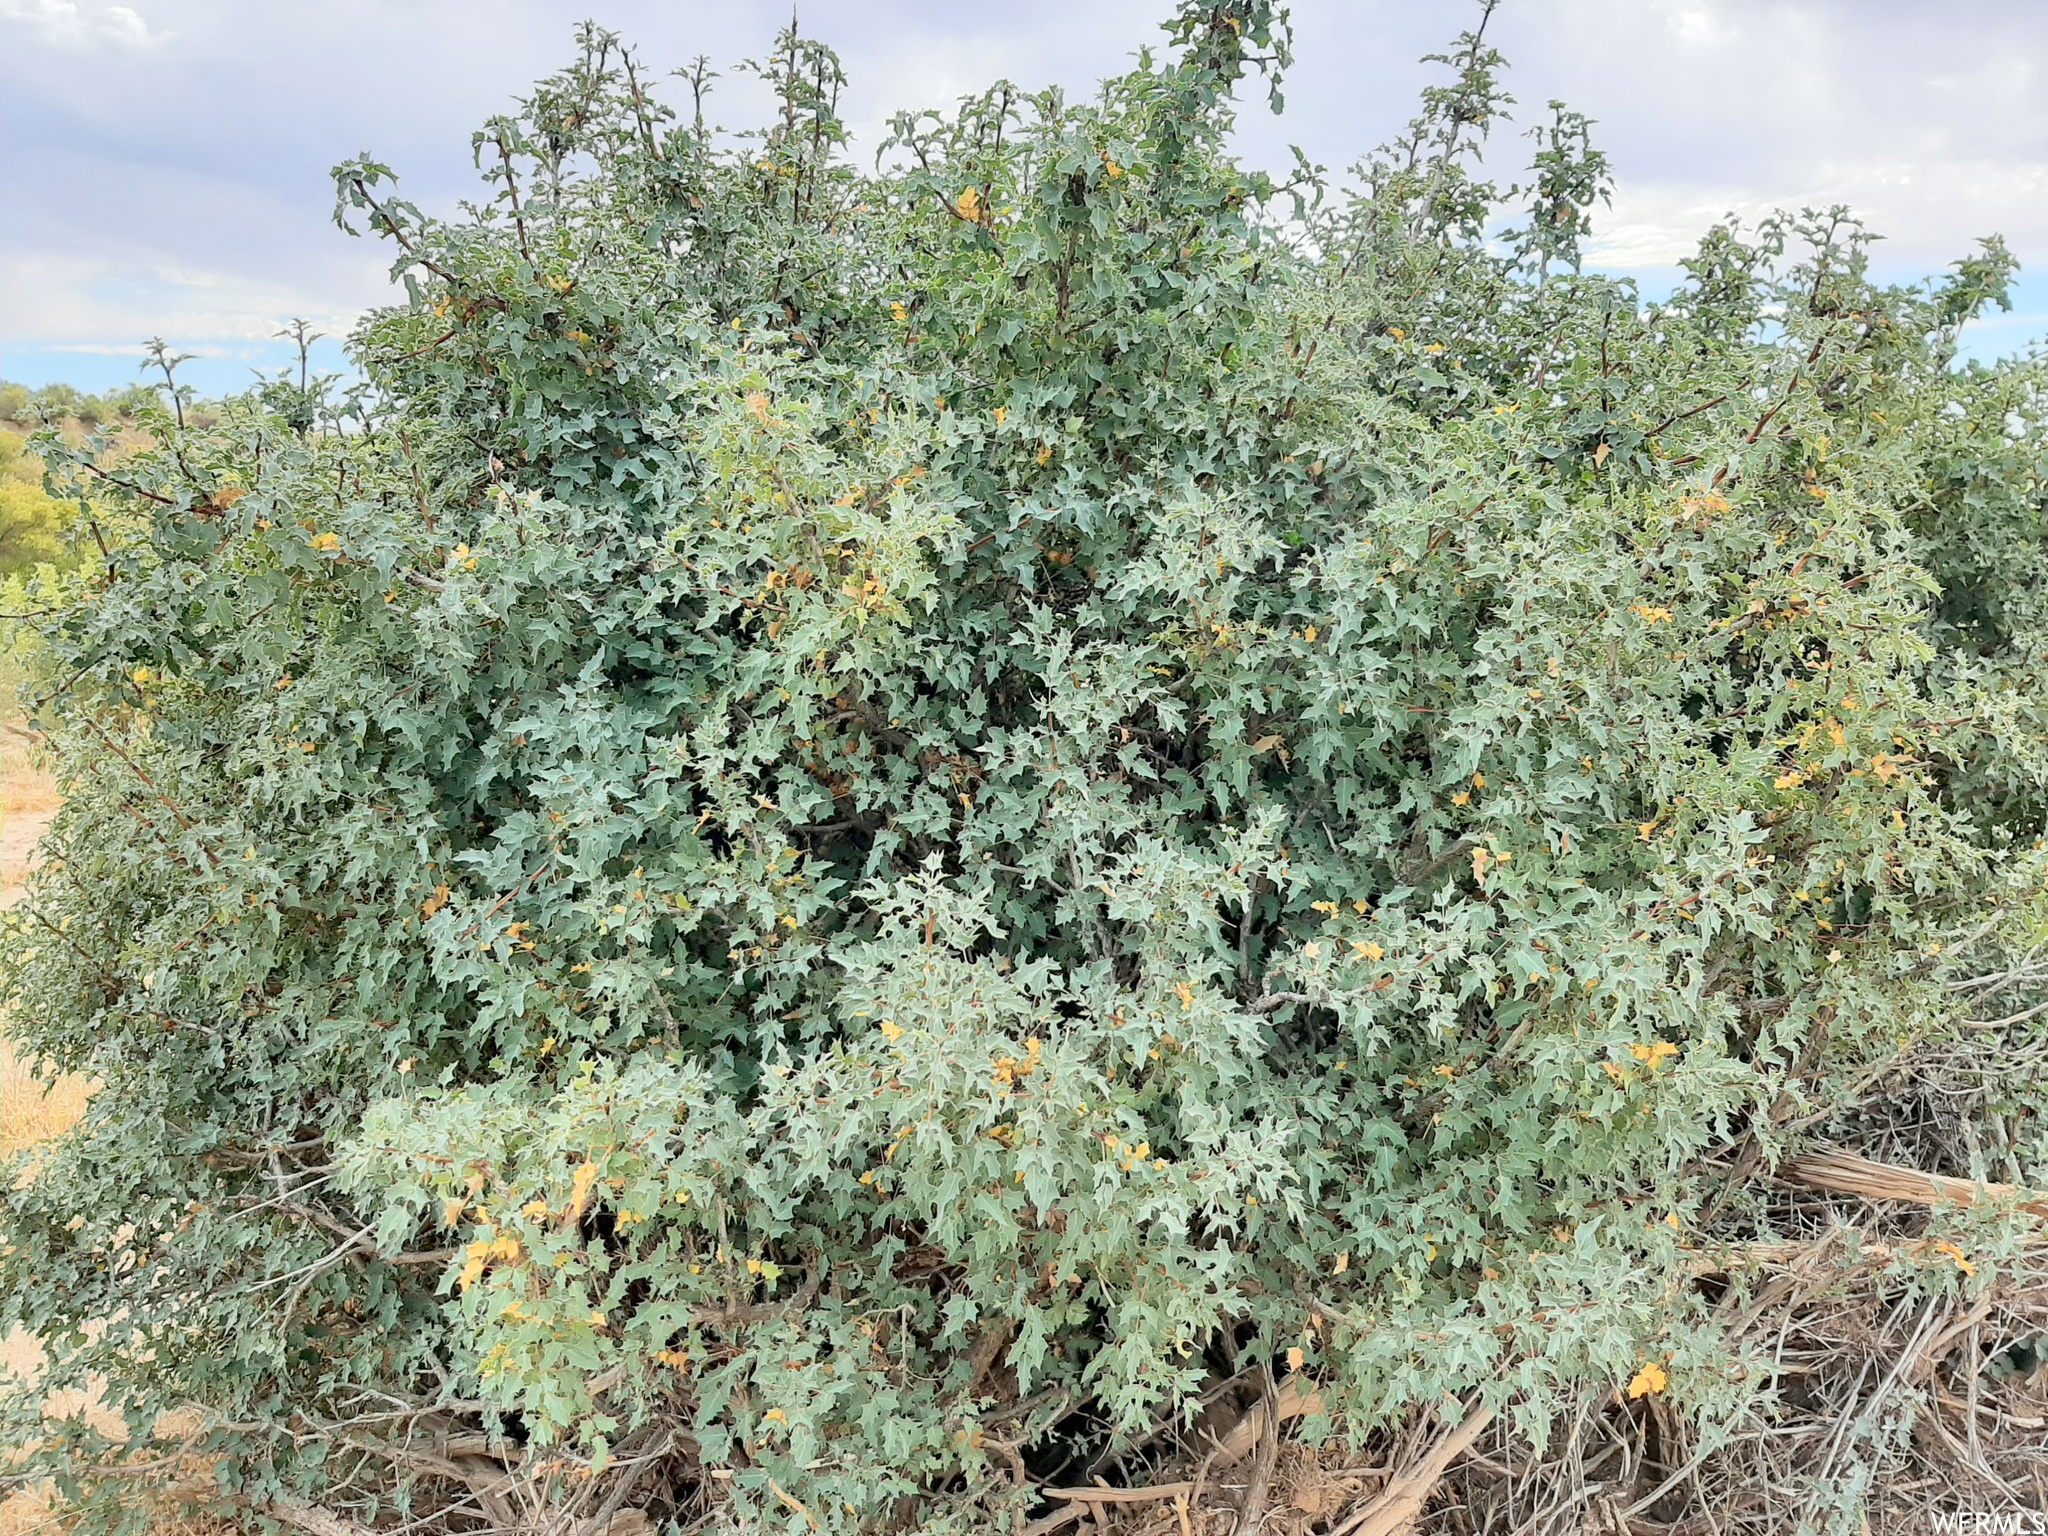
(28, 799)
(41, 1514)
(31, 1110)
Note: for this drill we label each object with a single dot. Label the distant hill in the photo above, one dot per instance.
(33, 524)
(21, 406)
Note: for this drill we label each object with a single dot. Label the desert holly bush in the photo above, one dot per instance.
(876, 825)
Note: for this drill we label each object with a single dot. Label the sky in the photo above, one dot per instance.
(163, 164)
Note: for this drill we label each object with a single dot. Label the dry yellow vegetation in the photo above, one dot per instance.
(30, 1110)
(39, 1514)
(28, 798)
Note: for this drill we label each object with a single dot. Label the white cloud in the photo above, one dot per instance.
(59, 21)
(109, 349)
(1696, 26)
(122, 25)
(1930, 212)
(63, 24)
(97, 303)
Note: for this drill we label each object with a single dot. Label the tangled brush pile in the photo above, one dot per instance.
(1054, 835)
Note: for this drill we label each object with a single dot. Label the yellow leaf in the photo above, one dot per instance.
(1956, 1253)
(451, 1210)
(1600, 454)
(579, 1189)
(970, 205)
(891, 1030)
(1296, 1359)
(1648, 1381)
(1343, 1261)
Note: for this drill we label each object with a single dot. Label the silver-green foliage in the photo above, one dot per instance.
(897, 805)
